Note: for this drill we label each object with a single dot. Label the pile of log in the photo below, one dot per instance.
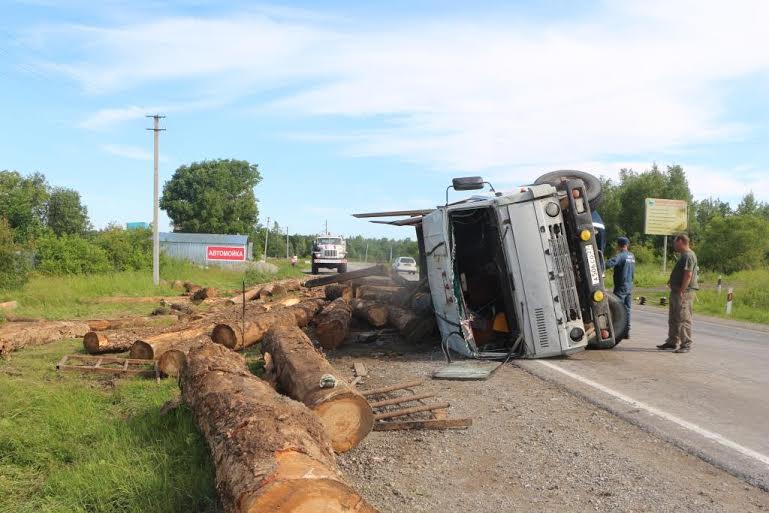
(333, 324)
(266, 291)
(270, 452)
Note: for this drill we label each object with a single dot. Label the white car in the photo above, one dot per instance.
(405, 265)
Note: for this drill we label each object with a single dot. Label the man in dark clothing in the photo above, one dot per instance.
(683, 283)
(623, 264)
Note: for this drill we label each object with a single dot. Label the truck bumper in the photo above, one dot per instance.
(329, 261)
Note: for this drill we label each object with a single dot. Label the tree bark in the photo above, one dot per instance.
(336, 290)
(333, 324)
(129, 322)
(152, 347)
(374, 313)
(172, 361)
(204, 293)
(17, 335)
(271, 453)
(237, 334)
(299, 367)
(101, 343)
(402, 319)
(377, 270)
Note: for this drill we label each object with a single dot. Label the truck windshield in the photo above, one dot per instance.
(329, 240)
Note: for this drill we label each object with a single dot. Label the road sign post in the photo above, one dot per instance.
(665, 217)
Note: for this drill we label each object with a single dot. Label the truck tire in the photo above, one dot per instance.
(341, 268)
(592, 184)
(314, 269)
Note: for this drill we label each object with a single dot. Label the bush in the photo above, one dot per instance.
(70, 254)
(14, 265)
(734, 243)
(127, 250)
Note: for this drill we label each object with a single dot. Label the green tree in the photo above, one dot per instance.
(70, 254)
(65, 214)
(23, 203)
(126, 250)
(735, 243)
(14, 265)
(213, 196)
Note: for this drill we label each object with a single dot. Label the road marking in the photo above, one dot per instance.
(710, 435)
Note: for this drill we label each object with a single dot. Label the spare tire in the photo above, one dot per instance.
(618, 322)
(592, 184)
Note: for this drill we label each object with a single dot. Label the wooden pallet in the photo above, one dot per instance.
(109, 365)
(436, 410)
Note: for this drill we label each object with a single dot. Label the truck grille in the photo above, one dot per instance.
(329, 253)
(559, 248)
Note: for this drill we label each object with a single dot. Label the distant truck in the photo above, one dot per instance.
(330, 252)
(517, 274)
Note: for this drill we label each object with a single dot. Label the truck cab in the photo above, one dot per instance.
(329, 251)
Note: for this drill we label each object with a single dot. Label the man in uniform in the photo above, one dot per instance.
(623, 264)
(683, 283)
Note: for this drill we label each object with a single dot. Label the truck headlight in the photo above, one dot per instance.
(552, 209)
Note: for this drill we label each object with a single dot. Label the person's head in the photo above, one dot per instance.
(681, 243)
(623, 243)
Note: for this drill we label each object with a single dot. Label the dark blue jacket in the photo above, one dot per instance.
(624, 271)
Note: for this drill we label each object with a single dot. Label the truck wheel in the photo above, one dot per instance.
(314, 269)
(341, 268)
(592, 184)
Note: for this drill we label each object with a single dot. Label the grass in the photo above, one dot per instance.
(751, 292)
(72, 443)
(71, 296)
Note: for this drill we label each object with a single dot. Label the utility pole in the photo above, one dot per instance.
(156, 204)
(266, 234)
(326, 227)
(287, 257)
(365, 259)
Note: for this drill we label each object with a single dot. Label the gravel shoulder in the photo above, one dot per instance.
(533, 447)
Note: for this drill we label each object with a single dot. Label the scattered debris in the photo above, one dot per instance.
(471, 370)
(360, 369)
(108, 365)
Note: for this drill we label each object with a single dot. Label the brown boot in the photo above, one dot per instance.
(683, 349)
(667, 345)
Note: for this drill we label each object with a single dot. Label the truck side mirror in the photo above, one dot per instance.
(467, 183)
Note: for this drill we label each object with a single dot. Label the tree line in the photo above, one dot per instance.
(727, 239)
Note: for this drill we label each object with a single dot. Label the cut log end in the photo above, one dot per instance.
(172, 362)
(225, 335)
(348, 418)
(301, 485)
(93, 341)
(141, 350)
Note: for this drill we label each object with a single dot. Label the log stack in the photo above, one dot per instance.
(153, 346)
(376, 314)
(301, 370)
(270, 452)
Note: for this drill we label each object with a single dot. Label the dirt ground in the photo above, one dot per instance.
(533, 447)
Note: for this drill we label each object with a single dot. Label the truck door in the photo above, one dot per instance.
(446, 293)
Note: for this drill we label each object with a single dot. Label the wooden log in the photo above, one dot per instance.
(402, 319)
(380, 294)
(374, 313)
(237, 334)
(377, 270)
(15, 336)
(337, 290)
(152, 347)
(333, 324)
(204, 293)
(9, 305)
(250, 294)
(279, 288)
(271, 453)
(401, 400)
(306, 310)
(172, 361)
(130, 322)
(409, 411)
(101, 343)
(392, 388)
(299, 367)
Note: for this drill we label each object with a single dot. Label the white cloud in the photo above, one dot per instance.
(635, 78)
(105, 118)
(131, 152)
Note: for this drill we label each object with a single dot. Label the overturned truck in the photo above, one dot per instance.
(516, 274)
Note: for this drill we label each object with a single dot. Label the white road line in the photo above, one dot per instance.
(662, 414)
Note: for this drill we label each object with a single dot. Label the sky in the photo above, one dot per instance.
(364, 106)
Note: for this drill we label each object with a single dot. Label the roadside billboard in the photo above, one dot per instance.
(666, 216)
(227, 253)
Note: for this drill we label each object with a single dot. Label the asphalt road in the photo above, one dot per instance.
(713, 401)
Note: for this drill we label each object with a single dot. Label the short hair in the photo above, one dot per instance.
(683, 238)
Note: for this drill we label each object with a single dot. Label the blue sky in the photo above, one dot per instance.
(363, 106)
